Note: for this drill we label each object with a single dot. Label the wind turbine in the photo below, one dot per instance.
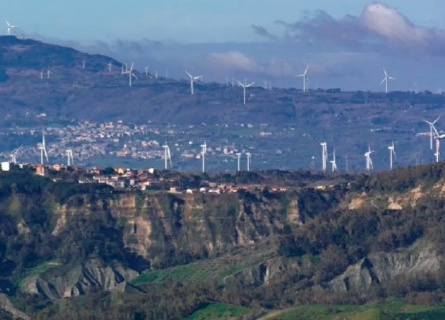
(146, 71)
(369, 164)
(167, 157)
(83, 64)
(249, 160)
(245, 85)
(130, 74)
(42, 148)
(334, 162)
(41, 75)
(10, 27)
(385, 80)
(304, 76)
(238, 156)
(392, 154)
(110, 66)
(437, 138)
(432, 130)
(48, 73)
(203, 156)
(192, 81)
(324, 155)
(69, 158)
(14, 155)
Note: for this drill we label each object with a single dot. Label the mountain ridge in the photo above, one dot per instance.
(95, 94)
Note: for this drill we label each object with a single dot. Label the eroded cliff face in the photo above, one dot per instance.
(191, 226)
(168, 229)
(381, 268)
(72, 281)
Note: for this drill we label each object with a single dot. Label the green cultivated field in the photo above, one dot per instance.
(394, 310)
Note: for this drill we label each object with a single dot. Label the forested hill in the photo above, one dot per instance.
(165, 256)
(81, 86)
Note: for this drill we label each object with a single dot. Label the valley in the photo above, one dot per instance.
(341, 252)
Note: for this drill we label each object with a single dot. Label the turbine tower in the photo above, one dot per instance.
(110, 66)
(48, 73)
(9, 27)
(146, 71)
(324, 156)
(83, 63)
(432, 130)
(203, 156)
(167, 157)
(392, 155)
(238, 156)
(42, 148)
(130, 74)
(249, 160)
(385, 80)
(334, 162)
(192, 81)
(304, 76)
(437, 153)
(69, 158)
(369, 164)
(245, 85)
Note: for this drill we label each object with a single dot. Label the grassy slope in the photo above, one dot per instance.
(389, 311)
(207, 269)
(220, 311)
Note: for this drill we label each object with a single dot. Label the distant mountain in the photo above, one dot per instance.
(94, 93)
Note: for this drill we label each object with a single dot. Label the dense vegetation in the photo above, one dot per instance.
(330, 237)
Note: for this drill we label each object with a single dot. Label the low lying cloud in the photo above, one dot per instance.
(237, 62)
(378, 28)
(233, 61)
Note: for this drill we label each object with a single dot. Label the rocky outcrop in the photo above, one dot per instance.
(381, 268)
(190, 226)
(266, 273)
(59, 282)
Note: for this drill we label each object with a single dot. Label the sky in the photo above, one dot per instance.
(345, 43)
(186, 20)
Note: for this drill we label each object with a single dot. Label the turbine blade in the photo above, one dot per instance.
(188, 74)
(383, 81)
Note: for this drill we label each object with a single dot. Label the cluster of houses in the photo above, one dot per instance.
(141, 179)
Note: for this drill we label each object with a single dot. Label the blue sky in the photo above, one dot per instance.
(186, 20)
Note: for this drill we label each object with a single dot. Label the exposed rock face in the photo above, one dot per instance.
(381, 268)
(268, 272)
(190, 226)
(94, 273)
